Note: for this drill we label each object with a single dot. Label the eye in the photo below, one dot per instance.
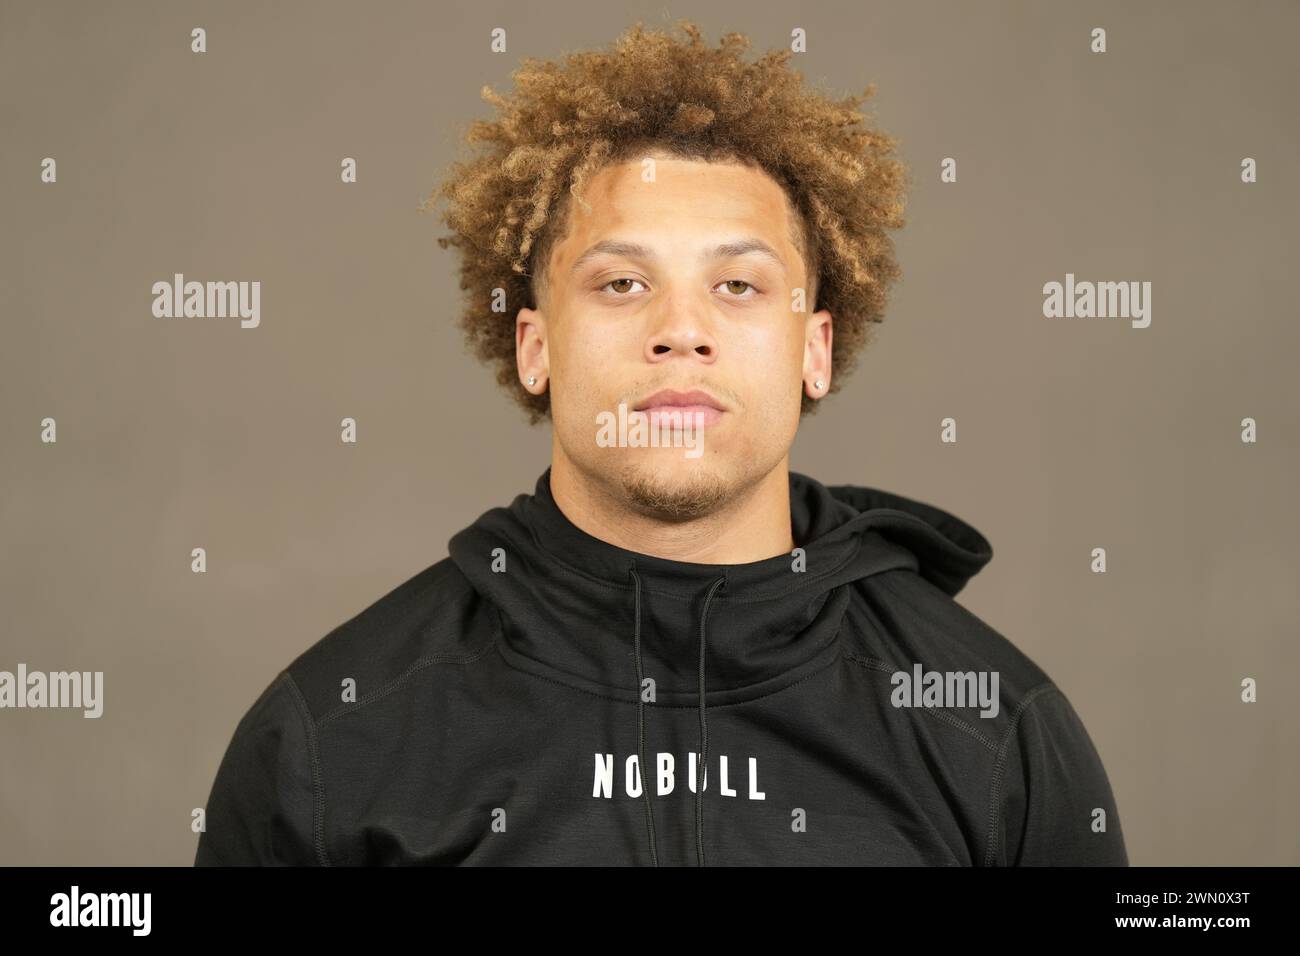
(736, 282)
(621, 292)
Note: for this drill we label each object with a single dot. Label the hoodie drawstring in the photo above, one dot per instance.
(704, 737)
(640, 721)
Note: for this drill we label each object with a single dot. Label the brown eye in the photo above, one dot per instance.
(739, 294)
(613, 282)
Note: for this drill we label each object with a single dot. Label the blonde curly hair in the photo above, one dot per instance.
(566, 121)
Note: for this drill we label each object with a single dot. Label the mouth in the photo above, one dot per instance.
(695, 408)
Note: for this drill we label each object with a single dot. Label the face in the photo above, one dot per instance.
(682, 276)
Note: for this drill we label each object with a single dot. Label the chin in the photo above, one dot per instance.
(666, 485)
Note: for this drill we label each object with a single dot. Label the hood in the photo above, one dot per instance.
(584, 612)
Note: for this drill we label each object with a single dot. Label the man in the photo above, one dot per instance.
(674, 651)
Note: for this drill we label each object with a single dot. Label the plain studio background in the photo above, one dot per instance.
(1072, 433)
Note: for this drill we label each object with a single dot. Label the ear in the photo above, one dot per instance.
(817, 354)
(530, 349)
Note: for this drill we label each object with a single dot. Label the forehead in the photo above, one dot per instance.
(714, 199)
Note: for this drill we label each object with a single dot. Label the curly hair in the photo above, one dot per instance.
(566, 121)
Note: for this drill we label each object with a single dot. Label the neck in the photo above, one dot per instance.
(753, 526)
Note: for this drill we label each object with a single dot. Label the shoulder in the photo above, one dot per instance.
(433, 618)
(1049, 799)
(904, 619)
(927, 649)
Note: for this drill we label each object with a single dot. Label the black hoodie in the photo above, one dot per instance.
(494, 715)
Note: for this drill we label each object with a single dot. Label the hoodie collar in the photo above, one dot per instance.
(567, 599)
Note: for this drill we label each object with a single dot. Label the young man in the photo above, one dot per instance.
(701, 247)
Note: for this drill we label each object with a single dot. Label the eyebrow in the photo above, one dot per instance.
(634, 250)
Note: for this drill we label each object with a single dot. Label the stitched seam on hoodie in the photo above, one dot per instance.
(871, 663)
(999, 766)
(317, 777)
(625, 700)
(397, 681)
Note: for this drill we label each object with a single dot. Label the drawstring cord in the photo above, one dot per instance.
(704, 737)
(640, 722)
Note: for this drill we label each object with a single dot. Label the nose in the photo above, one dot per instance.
(681, 330)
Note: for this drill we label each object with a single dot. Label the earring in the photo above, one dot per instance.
(819, 384)
(532, 380)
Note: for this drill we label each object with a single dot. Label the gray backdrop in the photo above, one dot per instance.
(1072, 433)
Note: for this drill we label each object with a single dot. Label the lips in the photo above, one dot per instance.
(695, 406)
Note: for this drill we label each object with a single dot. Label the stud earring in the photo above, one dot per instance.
(819, 384)
(532, 380)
